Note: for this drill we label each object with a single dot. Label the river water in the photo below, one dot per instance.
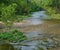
(41, 33)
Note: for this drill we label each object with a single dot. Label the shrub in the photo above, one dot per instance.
(13, 36)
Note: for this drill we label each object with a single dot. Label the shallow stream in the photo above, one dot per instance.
(42, 34)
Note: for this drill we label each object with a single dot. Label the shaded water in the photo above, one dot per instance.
(41, 34)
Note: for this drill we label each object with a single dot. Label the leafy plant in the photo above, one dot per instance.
(14, 36)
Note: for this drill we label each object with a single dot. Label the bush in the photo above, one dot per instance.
(14, 36)
(10, 10)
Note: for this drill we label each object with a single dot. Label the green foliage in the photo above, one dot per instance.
(52, 7)
(10, 10)
(8, 13)
(14, 36)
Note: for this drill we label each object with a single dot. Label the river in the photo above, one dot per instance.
(42, 33)
(38, 29)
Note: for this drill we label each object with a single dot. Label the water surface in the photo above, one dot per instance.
(41, 33)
